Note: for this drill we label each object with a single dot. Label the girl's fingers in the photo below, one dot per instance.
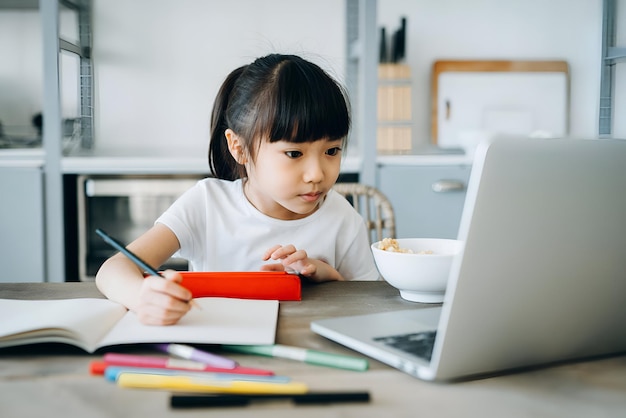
(308, 270)
(273, 267)
(173, 276)
(168, 286)
(279, 251)
(268, 253)
(298, 256)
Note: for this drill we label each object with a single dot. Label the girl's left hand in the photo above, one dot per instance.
(297, 260)
(290, 259)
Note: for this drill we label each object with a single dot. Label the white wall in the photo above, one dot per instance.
(567, 30)
(159, 63)
(21, 69)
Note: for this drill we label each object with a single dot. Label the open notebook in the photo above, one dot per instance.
(92, 323)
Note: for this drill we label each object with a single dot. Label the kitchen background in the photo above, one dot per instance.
(157, 65)
(163, 61)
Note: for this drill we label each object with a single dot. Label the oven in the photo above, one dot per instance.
(125, 207)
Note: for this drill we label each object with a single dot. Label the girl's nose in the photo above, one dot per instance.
(314, 172)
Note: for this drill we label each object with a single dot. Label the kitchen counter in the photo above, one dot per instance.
(424, 160)
(136, 161)
(187, 161)
(161, 161)
(21, 157)
(427, 155)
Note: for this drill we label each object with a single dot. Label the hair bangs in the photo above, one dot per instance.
(308, 106)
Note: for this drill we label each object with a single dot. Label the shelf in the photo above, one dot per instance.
(611, 55)
(19, 4)
(616, 54)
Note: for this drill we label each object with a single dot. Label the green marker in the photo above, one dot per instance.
(318, 358)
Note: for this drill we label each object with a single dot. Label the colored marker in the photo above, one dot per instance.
(116, 359)
(190, 384)
(318, 358)
(191, 353)
(111, 373)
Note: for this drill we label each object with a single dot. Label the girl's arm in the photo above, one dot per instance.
(156, 300)
(297, 260)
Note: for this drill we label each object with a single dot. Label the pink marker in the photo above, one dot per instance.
(191, 353)
(116, 359)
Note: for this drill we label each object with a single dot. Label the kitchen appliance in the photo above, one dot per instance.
(125, 206)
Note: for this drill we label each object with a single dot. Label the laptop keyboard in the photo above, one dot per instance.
(419, 344)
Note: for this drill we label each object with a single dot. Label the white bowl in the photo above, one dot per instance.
(418, 277)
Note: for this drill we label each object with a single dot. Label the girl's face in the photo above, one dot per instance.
(289, 180)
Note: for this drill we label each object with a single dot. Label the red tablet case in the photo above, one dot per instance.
(270, 285)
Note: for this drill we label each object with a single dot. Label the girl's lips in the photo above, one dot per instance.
(311, 197)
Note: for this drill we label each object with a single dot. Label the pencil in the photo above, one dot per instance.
(134, 258)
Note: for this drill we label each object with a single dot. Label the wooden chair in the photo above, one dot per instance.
(374, 207)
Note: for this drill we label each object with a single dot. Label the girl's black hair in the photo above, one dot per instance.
(276, 97)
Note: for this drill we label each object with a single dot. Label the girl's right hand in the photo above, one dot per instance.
(163, 301)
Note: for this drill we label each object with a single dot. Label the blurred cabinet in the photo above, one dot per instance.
(21, 224)
(427, 200)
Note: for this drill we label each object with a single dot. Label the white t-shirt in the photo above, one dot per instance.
(220, 230)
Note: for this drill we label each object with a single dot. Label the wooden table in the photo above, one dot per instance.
(53, 381)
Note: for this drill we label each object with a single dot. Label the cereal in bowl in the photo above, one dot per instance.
(390, 244)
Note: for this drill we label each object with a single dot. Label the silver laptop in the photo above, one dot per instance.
(542, 277)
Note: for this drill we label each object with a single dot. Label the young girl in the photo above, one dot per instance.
(278, 129)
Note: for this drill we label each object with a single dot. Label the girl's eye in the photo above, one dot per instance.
(293, 154)
(333, 151)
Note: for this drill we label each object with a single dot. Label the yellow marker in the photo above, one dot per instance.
(200, 385)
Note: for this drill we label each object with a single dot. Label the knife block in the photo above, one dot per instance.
(394, 109)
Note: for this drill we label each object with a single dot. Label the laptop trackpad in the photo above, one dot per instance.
(402, 322)
(401, 339)
(412, 332)
(380, 328)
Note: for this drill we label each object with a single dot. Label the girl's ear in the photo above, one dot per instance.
(236, 146)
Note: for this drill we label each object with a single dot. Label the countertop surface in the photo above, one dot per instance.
(186, 161)
(136, 161)
(21, 157)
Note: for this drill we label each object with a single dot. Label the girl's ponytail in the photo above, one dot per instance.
(221, 162)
